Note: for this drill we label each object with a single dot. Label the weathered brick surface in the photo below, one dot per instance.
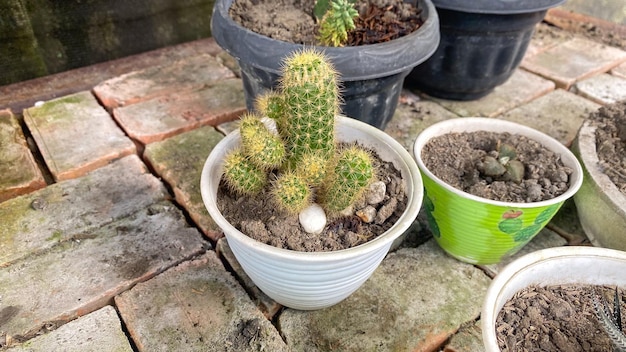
(602, 89)
(559, 114)
(467, 339)
(414, 301)
(544, 239)
(94, 332)
(82, 275)
(619, 71)
(268, 306)
(584, 58)
(179, 161)
(156, 119)
(196, 306)
(189, 74)
(519, 89)
(409, 120)
(76, 135)
(65, 210)
(20, 173)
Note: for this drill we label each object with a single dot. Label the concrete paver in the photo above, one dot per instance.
(521, 88)
(76, 135)
(414, 301)
(62, 211)
(94, 332)
(20, 173)
(468, 339)
(196, 306)
(584, 59)
(80, 276)
(179, 161)
(602, 89)
(189, 74)
(559, 114)
(156, 119)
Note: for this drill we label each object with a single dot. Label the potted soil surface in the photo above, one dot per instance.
(372, 74)
(557, 299)
(491, 185)
(361, 180)
(601, 202)
(482, 43)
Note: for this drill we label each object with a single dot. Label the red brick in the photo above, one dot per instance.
(76, 135)
(196, 306)
(156, 119)
(192, 73)
(20, 173)
(79, 276)
(574, 60)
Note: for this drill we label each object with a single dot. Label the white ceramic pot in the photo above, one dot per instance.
(600, 204)
(306, 280)
(552, 266)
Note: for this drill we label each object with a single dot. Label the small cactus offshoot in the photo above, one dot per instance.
(336, 22)
(504, 166)
(611, 322)
(241, 175)
(352, 174)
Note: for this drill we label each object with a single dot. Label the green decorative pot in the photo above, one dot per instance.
(478, 230)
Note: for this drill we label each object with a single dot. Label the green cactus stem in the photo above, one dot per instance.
(337, 22)
(263, 148)
(352, 173)
(313, 168)
(291, 192)
(241, 175)
(311, 101)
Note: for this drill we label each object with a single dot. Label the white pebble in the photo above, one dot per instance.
(376, 193)
(313, 219)
(39, 103)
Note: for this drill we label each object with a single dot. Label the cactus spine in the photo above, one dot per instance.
(304, 152)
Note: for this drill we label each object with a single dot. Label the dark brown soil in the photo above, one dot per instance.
(555, 318)
(456, 158)
(258, 217)
(611, 141)
(293, 20)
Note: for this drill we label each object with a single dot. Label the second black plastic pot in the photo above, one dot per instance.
(372, 75)
(478, 50)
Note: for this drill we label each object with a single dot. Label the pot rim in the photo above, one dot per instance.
(586, 146)
(497, 7)
(413, 182)
(471, 124)
(354, 63)
(494, 295)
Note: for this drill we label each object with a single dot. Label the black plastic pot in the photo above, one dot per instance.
(372, 75)
(482, 43)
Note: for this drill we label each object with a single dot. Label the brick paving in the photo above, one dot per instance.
(105, 243)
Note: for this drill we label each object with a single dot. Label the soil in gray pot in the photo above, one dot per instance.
(555, 318)
(461, 160)
(293, 20)
(610, 122)
(258, 217)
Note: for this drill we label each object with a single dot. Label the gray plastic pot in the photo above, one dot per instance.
(372, 75)
(482, 43)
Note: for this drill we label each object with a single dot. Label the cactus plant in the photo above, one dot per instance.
(612, 323)
(303, 150)
(337, 20)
